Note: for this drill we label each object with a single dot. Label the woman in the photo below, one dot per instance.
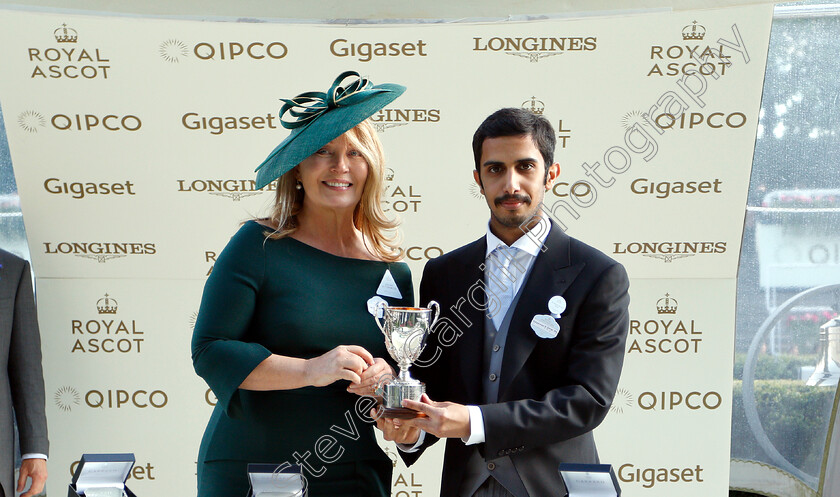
(284, 320)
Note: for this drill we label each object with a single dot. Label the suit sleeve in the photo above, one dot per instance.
(428, 291)
(220, 353)
(594, 365)
(25, 375)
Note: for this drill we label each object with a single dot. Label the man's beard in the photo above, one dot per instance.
(513, 220)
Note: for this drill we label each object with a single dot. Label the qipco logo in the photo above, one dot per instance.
(116, 399)
(669, 401)
(91, 122)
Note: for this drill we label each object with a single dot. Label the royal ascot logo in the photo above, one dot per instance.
(406, 485)
(67, 60)
(233, 189)
(666, 305)
(663, 334)
(649, 477)
(367, 51)
(622, 400)
(392, 118)
(217, 125)
(174, 50)
(106, 333)
(400, 197)
(31, 121)
(535, 49)
(537, 107)
(669, 251)
(66, 398)
(689, 57)
(209, 257)
(693, 31)
(100, 251)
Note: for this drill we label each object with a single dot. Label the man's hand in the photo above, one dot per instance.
(371, 377)
(35, 469)
(394, 430)
(443, 419)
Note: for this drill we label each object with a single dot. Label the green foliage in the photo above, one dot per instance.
(779, 367)
(794, 417)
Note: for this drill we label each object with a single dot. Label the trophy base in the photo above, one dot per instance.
(401, 413)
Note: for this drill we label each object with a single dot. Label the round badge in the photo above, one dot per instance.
(545, 326)
(556, 305)
(375, 306)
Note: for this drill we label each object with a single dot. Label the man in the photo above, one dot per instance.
(21, 380)
(530, 343)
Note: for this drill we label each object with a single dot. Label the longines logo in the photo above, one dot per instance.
(367, 51)
(174, 50)
(31, 121)
(392, 118)
(67, 60)
(100, 251)
(106, 334)
(233, 189)
(216, 125)
(537, 107)
(534, 49)
(66, 398)
(689, 57)
(399, 197)
(669, 251)
(662, 335)
(79, 190)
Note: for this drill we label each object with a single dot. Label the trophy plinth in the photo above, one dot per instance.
(406, 330)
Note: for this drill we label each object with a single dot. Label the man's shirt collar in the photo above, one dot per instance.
(527, 243)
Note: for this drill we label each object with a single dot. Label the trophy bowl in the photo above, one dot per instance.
(406, 330)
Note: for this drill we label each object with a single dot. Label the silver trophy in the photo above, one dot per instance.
(406, 330)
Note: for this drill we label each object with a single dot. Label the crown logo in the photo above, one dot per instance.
(65, 34)
(389, 174)
(535, 106)
(106, 305)
(666, 305)
(694, 31)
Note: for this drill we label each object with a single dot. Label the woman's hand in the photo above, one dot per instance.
(345, 362)
(373, 375)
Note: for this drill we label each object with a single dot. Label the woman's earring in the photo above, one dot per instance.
(298, 186)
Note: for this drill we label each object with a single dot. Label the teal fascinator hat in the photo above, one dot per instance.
(317, 118)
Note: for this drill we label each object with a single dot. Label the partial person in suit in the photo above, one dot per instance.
(530, 344)
(21, 380)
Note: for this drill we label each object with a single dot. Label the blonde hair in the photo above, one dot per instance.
(368, 216)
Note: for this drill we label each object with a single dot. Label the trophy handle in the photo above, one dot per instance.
(436, 307)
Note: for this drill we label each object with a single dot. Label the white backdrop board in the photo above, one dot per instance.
(134, 143)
